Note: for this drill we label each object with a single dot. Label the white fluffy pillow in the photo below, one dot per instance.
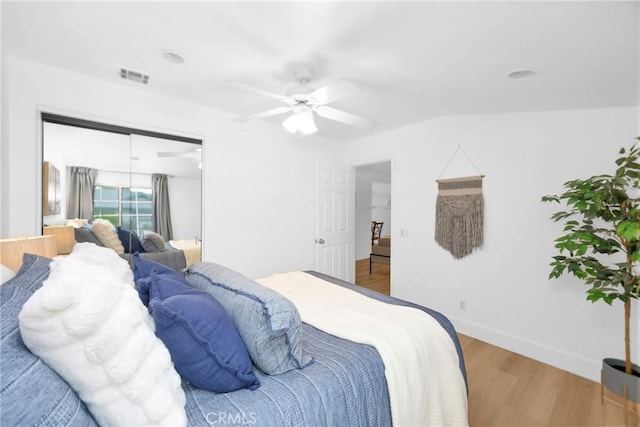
(90, 326)
(89, 254)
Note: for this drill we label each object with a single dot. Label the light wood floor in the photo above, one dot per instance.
(508, 389)
(379, 280)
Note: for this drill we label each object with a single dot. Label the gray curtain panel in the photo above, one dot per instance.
(161, 209)
(80, 195)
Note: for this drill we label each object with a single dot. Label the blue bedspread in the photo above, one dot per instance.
(344, 386)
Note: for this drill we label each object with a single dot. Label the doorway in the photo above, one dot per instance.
(373, 202)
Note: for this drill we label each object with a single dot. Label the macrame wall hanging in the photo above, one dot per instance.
(460, 212)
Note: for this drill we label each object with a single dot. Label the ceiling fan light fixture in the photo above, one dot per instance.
(301, 121)
(291, 123)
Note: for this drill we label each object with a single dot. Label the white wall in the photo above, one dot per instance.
(259, 183)
(510, 301)
(186, 207)
(362, 210)
(4, 131)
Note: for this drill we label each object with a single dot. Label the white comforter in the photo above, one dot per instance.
(425, 384)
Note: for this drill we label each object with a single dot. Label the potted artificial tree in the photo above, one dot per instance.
(600, 245)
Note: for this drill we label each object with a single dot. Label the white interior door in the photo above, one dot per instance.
(334, 221)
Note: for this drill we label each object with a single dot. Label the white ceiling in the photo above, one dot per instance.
(413, 60)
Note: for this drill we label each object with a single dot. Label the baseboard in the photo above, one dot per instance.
(575, 364)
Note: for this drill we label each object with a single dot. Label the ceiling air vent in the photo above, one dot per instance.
(134, 76)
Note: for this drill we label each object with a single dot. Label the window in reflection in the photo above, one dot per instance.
(130, 208)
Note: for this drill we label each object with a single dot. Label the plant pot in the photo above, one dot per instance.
(619, 393)
(616, 379)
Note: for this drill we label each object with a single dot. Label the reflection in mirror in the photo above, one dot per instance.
(138, 183)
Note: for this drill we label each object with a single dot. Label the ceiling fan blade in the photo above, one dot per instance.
(344, 117)
(341, 88)
(248, 87)
(195, 154)
(263, 115)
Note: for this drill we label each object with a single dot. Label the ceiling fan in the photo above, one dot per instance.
(196, 153)
(303, 101)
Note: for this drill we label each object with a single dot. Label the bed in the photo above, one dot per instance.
(335, 381)
(192, 249)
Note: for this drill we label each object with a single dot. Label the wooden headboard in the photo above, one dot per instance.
(11, 250)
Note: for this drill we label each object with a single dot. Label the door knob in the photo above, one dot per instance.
(320, 241)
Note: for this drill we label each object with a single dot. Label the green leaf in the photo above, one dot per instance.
(596, 221)
(550, 199)
(594, 295)
(582, 250)
(628, 230)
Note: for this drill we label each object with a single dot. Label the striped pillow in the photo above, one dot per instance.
(106, 233)
(268, 322)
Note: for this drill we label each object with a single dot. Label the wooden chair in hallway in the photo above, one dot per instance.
(376, 231)
(380, 246)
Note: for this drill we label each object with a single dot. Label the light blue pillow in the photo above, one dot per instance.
(268, 323)
(204, 344)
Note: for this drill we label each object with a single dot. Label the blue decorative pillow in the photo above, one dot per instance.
(268, 323)
(205, 346)
(130, 240)
(143, 287)
(142, 268)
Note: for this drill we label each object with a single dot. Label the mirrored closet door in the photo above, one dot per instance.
(93, 170)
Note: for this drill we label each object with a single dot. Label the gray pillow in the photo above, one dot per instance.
(268, 323)
(85, 235)
(153, 242)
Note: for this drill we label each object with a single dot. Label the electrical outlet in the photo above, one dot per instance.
(462, 305)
